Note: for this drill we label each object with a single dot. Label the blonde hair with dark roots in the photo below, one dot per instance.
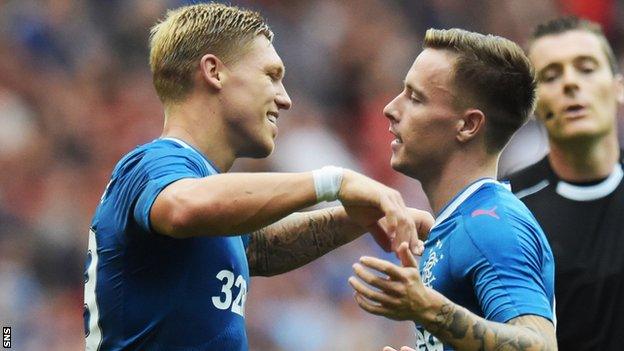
(492, 74)
(187, 33)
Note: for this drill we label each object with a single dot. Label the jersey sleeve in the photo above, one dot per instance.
(159, 169)
(503, 259)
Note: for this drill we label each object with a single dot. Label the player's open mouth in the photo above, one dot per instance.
(272, 117)
(575, 111)
(397, 138)
(396, 144)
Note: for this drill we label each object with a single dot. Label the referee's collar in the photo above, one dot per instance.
(591, 192)
(462, 196)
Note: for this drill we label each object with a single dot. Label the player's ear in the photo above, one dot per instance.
(211, 69)
(469, 125)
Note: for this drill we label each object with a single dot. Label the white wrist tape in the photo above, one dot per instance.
(327, 181)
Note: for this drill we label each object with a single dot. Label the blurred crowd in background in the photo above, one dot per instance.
(76, 94)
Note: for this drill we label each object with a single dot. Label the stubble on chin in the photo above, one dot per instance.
(399, 165)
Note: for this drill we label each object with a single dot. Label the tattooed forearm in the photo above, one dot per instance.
(297, 240)
(456, 326)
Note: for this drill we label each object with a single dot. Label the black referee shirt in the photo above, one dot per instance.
(584, 224)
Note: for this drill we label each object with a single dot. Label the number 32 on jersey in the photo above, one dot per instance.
(224, 301)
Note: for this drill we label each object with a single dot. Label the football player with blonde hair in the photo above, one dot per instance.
(175, 237)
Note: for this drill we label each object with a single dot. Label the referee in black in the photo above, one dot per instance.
(576, 192)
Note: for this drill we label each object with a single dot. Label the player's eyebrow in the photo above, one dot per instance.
(583, 58)
(558, 65)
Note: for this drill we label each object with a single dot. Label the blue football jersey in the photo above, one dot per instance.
(146, 291)
(487, 253)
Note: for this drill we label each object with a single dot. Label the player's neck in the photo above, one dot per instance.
(200, 129)
(584, 162)
(457, 174)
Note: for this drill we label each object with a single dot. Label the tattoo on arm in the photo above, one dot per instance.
(297, 240)
(456, 326)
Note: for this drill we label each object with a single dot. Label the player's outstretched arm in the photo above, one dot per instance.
(302, 237)
(299, 239)
(402, 296)
(231, 204)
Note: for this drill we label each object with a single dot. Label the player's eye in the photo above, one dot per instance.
(414, 98)
(411, 95)
(587, 67)
(548, 76)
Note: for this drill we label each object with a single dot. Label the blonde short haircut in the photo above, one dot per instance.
(492, 74)
(186, 34)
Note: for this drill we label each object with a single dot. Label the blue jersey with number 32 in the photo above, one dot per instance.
(146, 291)
(487, 253)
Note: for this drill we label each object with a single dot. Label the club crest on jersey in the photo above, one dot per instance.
(426, 341)
(432, 259)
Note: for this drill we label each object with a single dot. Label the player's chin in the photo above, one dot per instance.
(263, 149)
(396, 163)
(404, 166)
(580, 133)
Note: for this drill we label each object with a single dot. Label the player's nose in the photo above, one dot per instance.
(391, 110)
(282, 99)
(570, 81)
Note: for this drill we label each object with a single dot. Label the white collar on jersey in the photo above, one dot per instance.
(187, 146)
(465, 194)
(179, 142)
(591, 192)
